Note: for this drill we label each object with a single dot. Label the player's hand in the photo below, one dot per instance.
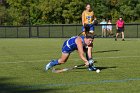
(95, 22)
(90, 61)
(87, 63)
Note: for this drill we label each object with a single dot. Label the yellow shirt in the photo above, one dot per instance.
(87, 17)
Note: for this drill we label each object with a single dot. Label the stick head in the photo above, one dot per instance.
(59, 70)
(95, 22)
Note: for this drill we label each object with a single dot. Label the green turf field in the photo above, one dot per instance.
(22, 64)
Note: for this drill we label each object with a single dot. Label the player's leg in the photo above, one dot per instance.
(91, 28)
(65, 54)
(61, 60)
(109, 32)
(116, 36)
(122, 36)
(102, 32)
(83, 31)
(64, 57)
(117, 33)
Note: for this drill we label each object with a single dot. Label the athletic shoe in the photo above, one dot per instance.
(115, 39)
(49, 65)
(92, 68)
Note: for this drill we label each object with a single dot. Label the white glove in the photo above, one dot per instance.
(90, 61)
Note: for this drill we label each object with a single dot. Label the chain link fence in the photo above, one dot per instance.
(60, 31)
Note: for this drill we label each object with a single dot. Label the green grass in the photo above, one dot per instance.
(22, 64)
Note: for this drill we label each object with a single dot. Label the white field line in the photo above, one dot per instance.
(116, 57)
(78, 83)
(31, 61)
(22, 55)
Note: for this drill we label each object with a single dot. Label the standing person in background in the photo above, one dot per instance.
(104, 27)
(120, 28)
(109, 28)
(88, 18)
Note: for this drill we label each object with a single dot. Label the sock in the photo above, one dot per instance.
(55, 62)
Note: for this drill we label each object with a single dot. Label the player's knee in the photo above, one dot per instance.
(62, 61)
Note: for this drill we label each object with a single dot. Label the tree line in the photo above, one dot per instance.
(37, 12)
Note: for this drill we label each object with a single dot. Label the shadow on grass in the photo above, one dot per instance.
(6, 87)
(104, 51)
(101, 68)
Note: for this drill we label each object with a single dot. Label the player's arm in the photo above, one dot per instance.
(89, 52)
(90, 47)
(83, 20)
(80, 50)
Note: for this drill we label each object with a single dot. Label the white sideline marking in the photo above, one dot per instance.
(117, 57)
(70, 59)
(22, 55)
(79, 83)
(25, 61)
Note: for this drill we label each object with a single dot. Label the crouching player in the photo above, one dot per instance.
(83, 44)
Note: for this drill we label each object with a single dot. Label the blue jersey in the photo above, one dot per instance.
(70, 44)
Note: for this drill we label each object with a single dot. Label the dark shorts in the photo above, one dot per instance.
(120, 29)
(91, 27)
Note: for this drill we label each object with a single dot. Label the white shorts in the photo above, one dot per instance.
(109, 27)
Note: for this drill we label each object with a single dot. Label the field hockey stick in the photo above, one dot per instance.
(81, 33)
(66, 69)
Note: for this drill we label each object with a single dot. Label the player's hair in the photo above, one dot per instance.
(87, 5)
(120, 17)
(104, 19)
(89, 35)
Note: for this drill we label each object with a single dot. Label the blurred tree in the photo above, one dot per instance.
(2, 14)
(72, 11)
(23, 12)
(18, 12)
(51, 11)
